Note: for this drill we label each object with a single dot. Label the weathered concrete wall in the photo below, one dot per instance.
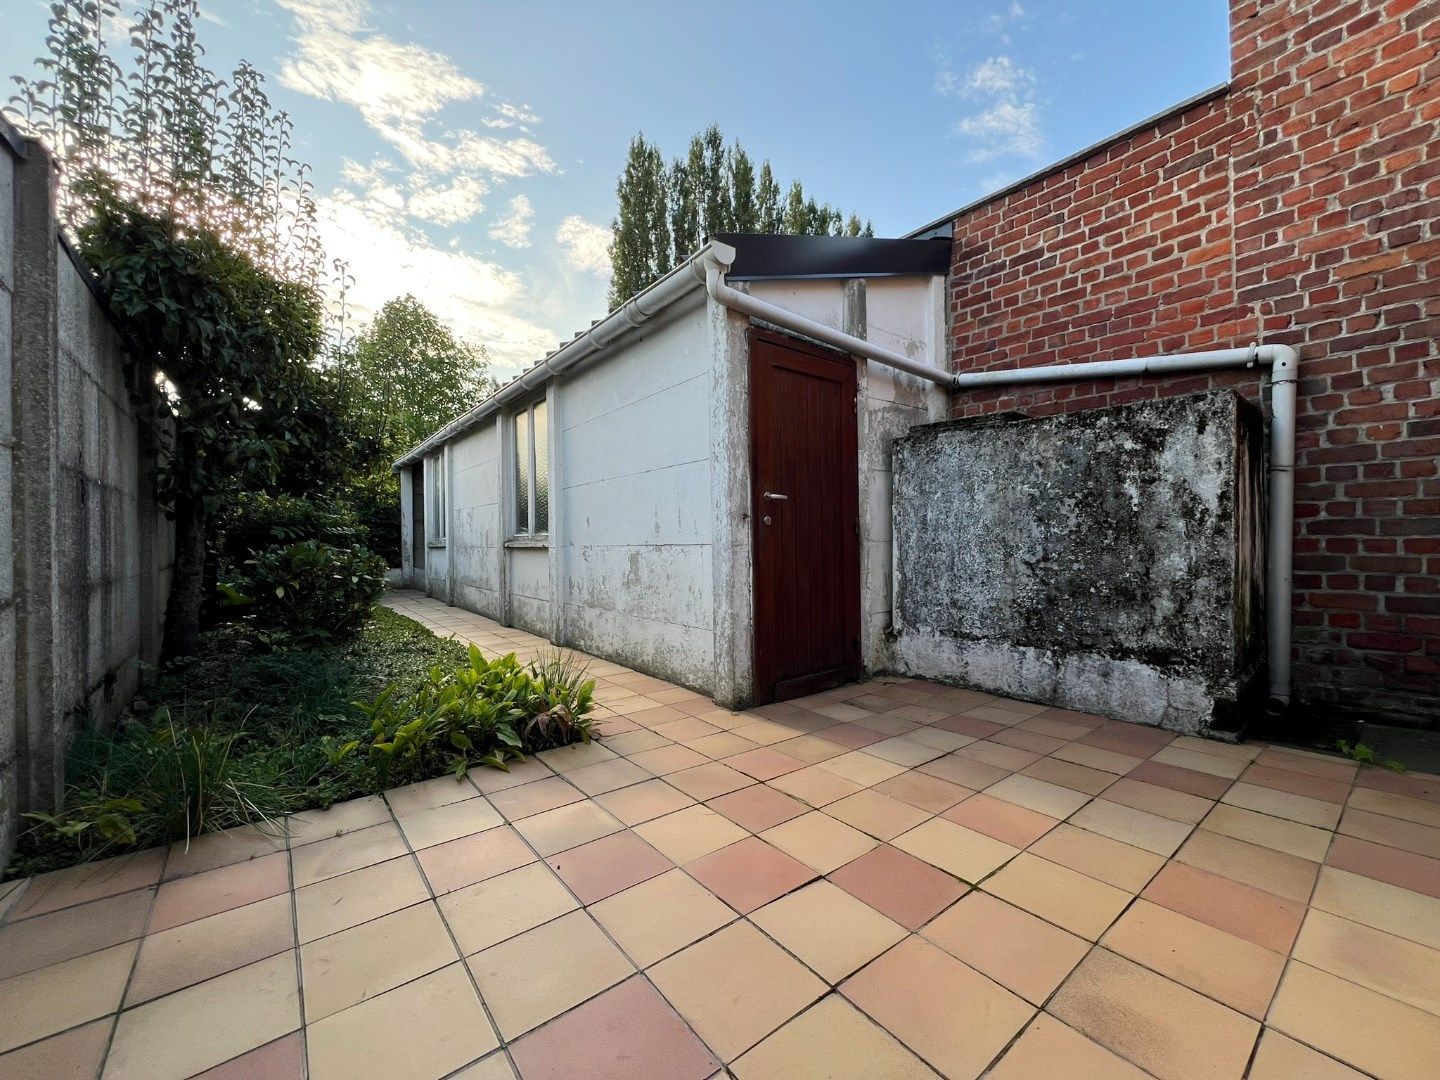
(476, 536)
(85, 553)
(1108, 561)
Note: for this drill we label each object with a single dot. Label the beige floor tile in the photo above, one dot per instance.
(426, 828)
(1153, 1022)
(1397, 806)
(1099, 857)
(74, 931)
(1374, 1033)
(1280, 1057)
(903, 750)
(1059, 895)
(1214, 765)
(488, 912)
(364, 961)
(644, 802)
(1095, 758)
(1393, 832)
(88, 881)
(819, 841)
(567, 759)
(347, 817)
(237, 1012)
(1069, 774)
(735, 987)
(338, 855)
(40, 1003)
(1289, 837)
(1130, 826)
(661, 916)
(861, 768)
(1282, 804)
(831, 931)
(339, 903)
(1398, 911)
(228, 848)
(1048, 1048)
(1038, 795)
(829, 1041)
(1284, 875)
(494, 1067)
(709, 781)
(687, 834)
(1382, 962)
(607, 776)
(968, 855)
(202, 949)
(1024, 954)
(539, 974)
(812, 749)
(919, 993)
(428, 794)
(567, 826)
(878, 815)
(1161, 801)
(815, 785)
(72, 1055)
(458, 863)
(528, 771)
(196, 896)
(1233, 971)
(372, 1039)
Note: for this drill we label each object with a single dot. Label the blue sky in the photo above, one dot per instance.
(467, 152)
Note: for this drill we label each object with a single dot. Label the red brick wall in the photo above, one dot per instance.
(1303, 206)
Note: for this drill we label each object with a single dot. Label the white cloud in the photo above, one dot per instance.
(512, 228)
(1005, 127)
(585, 245)
(997, 75)
(448, 204)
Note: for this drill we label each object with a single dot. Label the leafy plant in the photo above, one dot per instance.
(1358, 752)
(309, 589)
(252, 521)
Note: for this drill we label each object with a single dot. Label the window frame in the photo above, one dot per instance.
(436, 500)
(527, 532)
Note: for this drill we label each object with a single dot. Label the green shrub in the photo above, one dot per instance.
(253, 521)
(307, 590)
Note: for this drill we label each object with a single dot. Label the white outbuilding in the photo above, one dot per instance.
(698, 486)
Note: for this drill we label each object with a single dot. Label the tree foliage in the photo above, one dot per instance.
(666, 212)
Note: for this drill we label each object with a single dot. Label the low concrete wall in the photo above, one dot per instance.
(1108, 561)
(85, 554)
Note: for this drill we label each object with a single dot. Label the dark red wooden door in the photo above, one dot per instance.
(805, 481)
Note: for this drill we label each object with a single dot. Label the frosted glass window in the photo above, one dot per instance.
(522, 472)
(541, 486)
(532, 472)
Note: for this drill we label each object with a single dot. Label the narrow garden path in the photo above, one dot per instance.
(893, 879)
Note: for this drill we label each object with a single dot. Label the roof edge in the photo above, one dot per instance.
(1204, 96)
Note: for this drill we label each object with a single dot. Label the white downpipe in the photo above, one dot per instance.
(1282, 360)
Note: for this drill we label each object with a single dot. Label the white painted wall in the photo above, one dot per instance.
(476, 539)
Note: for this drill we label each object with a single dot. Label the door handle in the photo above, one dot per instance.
(774, 496)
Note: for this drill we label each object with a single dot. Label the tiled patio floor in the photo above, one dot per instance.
(889, 880)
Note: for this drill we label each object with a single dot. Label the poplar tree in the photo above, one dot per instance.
(745, 211)
(767, 201)
(640, 251)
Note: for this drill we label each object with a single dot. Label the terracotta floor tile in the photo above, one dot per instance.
(1160, 801)
(527, 800)
(607, 776)
(1129, 739)
(426, 828)
(861, 768)
(972, 726)
(735, 987)
(1157, 1024)
(1423, 786)
(1403, 869)
(1329, 766)
(361, 1041)
(72, 1055)
(890, 725)
(918, 993)
(878, 815)
(642, 802)
(1233, 971)
(964, 772)
(686, 729)
(766, 733)
(710, 780)
(607, 865)
(567, 827)
(1371, 958)
(539, 974)
(811, 749)
(661, 916)
(1288, 837)
(815, 785)
(1137, 828)
(364, 961)
(1068, 774)
(88, 881)
(687, 834)
(228, 848)
(968, 855)
(1099, 857)
(341, 902)
(1202, 785)
(1047, 1048)
(819, 841)
(474, 858)
(1392, 832)
(1370, 1031)
(1419, 811)
(758, 807)
(831, 931)
(1038, 795)
(1314, 787)
(668, 759)
(1004, 821)
(207, 947)
(61, 935)
(282, 1059)
(1060, 895)
(1003, 717)
(1033, 741)
(1024, 954)
(500, 907)
(1280, 1057)
(213, 891)
(495, 1067)
(998, 755)
(764, 763)
(923, 791)
(428, 794)
(833, 1039)
(722, 744)
(63, 995)
(899, 886)
(626, 1033)
(1284, 875)
(1262, 917)
(237, 1012)
(323, 859)
(749, 874)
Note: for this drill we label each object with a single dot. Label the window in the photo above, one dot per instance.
(435, 498)
(532, 472)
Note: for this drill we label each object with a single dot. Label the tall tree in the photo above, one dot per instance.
(684, 211)
(767, 201)
(745, 211)
(717, 206)
(795, 218)
(640, 252)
